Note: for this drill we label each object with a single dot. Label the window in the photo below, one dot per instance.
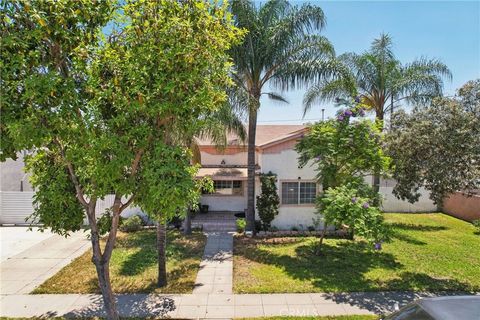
(228, 187)
(298, 192)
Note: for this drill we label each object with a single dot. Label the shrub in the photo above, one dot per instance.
(268, 201)
(345, 207)
(294, 229)
(311, 228)
(131, 224)
(241, 224)
(259, 226)
(476, 224)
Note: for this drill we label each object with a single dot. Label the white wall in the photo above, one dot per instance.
(16, 206)
(230, 159)
(285, 165)
(226, 203)
(12, 173)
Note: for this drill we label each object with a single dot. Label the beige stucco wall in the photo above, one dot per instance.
(462, 206)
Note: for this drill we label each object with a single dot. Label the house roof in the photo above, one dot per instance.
(266, 134)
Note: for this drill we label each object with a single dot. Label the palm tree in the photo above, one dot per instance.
(282, 49)
(380, 81)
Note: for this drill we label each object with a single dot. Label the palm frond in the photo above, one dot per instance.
(276, 97)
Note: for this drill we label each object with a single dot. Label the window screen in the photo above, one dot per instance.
(298, 192)
(308, 191)
(289, 192)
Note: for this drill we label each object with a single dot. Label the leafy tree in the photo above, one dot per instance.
(438, 146)
(342, 149)
(343, 152)
(351, 207)
(268, 201)
(96, 109)
(380, 81)
(278, 50)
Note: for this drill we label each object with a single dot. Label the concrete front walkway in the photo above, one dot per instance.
(213, 306)
(24, 271)
(216, 269)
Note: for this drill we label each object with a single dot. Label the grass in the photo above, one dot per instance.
(265, 318)
(430, 252)
(362, 317)
(133, 266)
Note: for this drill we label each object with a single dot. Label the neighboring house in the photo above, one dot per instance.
(275, 146)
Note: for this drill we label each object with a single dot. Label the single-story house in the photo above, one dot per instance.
(297, 187)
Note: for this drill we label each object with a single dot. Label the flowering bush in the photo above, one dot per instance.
(351, 207)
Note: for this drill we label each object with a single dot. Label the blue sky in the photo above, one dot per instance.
(446, 30)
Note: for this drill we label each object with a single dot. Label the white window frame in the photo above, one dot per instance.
(241, 194)
(298, 204)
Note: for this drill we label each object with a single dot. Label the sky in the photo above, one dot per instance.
(445, 30)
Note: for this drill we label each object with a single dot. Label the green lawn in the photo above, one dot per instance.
(427, 252)
(362, 317)
(133, 267)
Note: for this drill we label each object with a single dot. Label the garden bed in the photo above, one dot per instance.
(133, 267)
(430, 252)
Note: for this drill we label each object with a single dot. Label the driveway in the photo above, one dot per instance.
(28, 258)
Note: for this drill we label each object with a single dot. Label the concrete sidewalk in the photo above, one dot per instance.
(23, 272)
(214, 306)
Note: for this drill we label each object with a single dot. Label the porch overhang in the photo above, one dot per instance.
(223, 173)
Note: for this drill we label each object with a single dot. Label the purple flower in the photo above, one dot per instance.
(361, 112)
(365, 205)
(378, 246)
(340, 118)
(357, 99)
(348, 112)
(318, 157)
(354, 200)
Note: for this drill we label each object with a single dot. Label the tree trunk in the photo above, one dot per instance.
(319, 247)
(101, 262)
(103, 272)
(187, 223)
(252, 128)
(161, 245)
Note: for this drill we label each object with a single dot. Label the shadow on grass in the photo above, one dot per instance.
(146, 256)
(416, 227)
(340, 267)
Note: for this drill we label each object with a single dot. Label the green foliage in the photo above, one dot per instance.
(347, 207)
(44, 49)
(168, 183)
(268, 201)
(241, 223)
(438, 146)
(343, 151)
(476, 224)
(379, 80)
(56, 206)
(131, 224)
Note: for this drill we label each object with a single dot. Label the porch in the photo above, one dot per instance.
(216, 221)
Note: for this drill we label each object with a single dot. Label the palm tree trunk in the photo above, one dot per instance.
(161, 245)
(252, 129)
